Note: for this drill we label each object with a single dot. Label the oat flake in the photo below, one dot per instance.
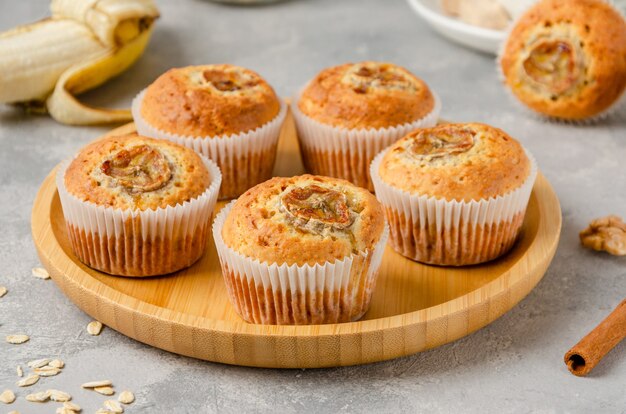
(7, 397)
(41, 273)
(17, 339)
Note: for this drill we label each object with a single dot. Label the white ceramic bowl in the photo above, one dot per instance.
(485, 40)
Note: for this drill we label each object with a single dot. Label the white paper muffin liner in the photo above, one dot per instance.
(615, 107)
(452, 233)
(139, 243)
(347, 153)
(281, 294)
(245, 159)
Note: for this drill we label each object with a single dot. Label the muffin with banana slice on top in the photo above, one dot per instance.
(566, 59)
(301, 250)
(137, 206)
(349, 113)
(455, 194)
(227, 113)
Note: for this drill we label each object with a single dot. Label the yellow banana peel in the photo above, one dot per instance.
(84, 44)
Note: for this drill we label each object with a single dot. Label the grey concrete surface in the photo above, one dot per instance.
(513, 365)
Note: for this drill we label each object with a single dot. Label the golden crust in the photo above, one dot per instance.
(456, 162)
(209, 101)
(181, 175)
(266, 222)
(591, 38)
(366, 95)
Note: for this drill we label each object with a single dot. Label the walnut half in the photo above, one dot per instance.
(606, 234)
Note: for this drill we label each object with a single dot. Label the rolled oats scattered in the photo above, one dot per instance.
(41, 396)
(59, 396)
(114, 406)
(126, 397)
(41, 273)
(7, 397)
(17, 339)
(47, 371)
(3, 291)
(94, 384)
(28, 381)
(94, 328)
(20, 372)
(104, 390)
(71, 406)
(56, 363)
(38, 363)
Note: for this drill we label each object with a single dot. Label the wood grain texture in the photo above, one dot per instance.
(414, 307)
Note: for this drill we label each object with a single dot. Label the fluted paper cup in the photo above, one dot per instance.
(245, 159)
(139, 243)
(348, 153)
(452, 233)
(281, 294)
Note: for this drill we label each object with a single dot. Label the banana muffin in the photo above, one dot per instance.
(454, 194)
(566, 59)
(301, 250)
(227, 113)
(137, 206)
(349, 113)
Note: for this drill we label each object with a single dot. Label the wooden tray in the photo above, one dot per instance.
(414, 308)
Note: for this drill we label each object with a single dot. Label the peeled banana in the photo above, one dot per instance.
(84, 43)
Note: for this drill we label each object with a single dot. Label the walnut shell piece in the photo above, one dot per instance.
(606, 234)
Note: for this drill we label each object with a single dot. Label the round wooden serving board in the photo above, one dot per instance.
(415, 307)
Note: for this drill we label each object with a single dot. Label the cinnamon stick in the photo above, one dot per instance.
(586, 354)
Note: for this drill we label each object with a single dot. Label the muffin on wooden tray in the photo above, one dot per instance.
(301, 250)
(454, 194)
(225, 112)
(137, 206)
(566, 59)
(349, 113)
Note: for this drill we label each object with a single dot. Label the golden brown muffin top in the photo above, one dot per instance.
(136, 173)
(304, 219)
(567, 58)
(366, 95)
(456, 162)
(209, 101)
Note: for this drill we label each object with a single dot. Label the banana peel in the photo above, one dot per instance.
(44, 65)
(63, 105)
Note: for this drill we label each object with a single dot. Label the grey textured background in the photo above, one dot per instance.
(513, 365)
